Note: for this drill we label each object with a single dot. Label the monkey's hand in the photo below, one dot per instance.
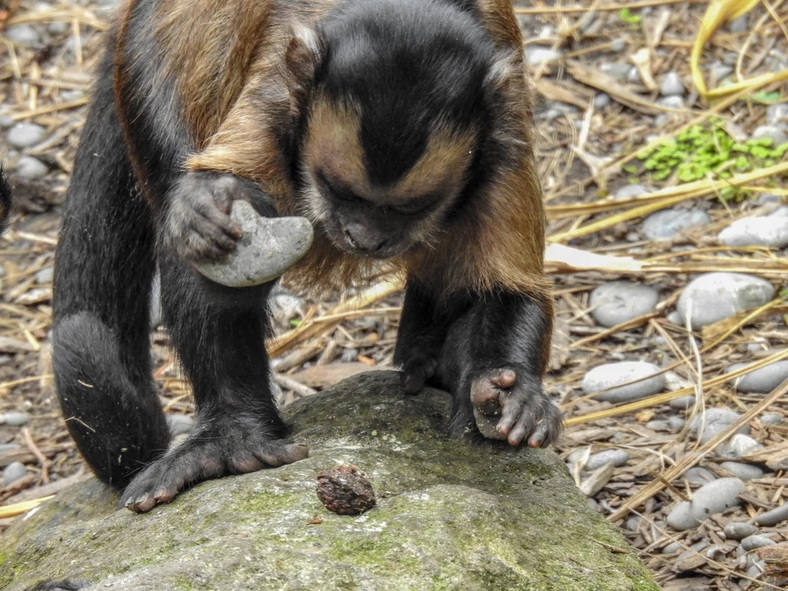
(509, 403)
(224, 445)
(416, 371)
(197, 224)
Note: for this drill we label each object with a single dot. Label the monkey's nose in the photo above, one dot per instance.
(359, 239)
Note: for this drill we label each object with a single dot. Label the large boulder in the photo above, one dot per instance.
(450, 515)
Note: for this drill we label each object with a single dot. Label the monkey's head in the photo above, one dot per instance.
(393, 98)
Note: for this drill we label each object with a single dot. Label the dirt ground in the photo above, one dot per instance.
(598, 68)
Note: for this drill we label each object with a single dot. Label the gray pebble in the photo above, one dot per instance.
(612, 374)
(13, 472)
(671, 85)
(619, 44)
(738, 25)
(617, 457)
(14, 419)
(24, 135)
(658, 425)
(769, 231)
(765, 198)
(617, 70)
(772, 418)
(670, 223)
(671, 102)
(714, 497)
(671, 548)
(756, 541)
(180, 424)
(715, 296)
(676, 423)
(756, 569)
(24, 35)
(56, 28)
(738, 446)
(601, 100)
(630, 192)
(674, 318)
(620, 301)
(633, 76)
(44, 275)
(699, 476)
(683, 403)
(268, 247)
(774, 516)
(744, 472)
(712, 422)
(31, 168)
(720, 71)
(536, 55)
(738, 530)
(760, 381)
(8, 447)
(777, 113)
(6, 121)
(776, 133)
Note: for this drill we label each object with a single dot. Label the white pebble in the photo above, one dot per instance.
(24, 135)
(671, 85)
(616, 70)
(617, 457)
(706, 425)
(620, 301)
(24, 35)
(772, 418)
(777, 113)
(715, 296)
(738, 530)
(760, 381)
(671, 102)
(776, 133)
(771, 231)
(613, 374)
(712, 498)
(31, 168)
(14, 419)
(630, 192)
(742, 471)
(44, 275)
(13, 472)
(536, 55)
(676, 423)
(671, 223)
(738, 446)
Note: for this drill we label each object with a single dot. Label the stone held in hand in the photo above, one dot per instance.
(267, 248)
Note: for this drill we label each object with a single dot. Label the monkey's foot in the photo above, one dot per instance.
(267, 248)
(206, 454)
(511, 405)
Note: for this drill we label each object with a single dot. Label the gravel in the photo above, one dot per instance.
(715, 296)
(621, 301)
(760, 381)
(712, 498)
(613, 374)
(769, 231)
(24, 135)
(268, 247)
(712, 422)
(13, 472)
(670, 223)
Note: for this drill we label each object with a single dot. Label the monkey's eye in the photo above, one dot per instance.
(412, 208)
(336, 190)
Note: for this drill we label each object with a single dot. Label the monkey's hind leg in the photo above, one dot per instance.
(103, 269)
(219, 335)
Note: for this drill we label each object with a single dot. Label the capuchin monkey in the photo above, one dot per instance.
(401, 129)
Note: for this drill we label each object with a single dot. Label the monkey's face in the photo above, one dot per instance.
(372, 201)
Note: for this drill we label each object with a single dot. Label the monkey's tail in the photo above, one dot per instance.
(5, 202)
(104, 266)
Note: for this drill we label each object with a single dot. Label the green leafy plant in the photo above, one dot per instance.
(700, 152)
(625, 15)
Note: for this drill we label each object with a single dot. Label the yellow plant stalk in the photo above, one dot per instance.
(717, 13)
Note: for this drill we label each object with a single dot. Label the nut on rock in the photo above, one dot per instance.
(345, 490)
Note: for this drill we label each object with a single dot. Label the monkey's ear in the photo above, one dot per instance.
(302, 58)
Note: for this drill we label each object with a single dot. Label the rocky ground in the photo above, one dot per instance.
(670, 342)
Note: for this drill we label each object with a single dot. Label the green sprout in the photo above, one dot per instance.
(625, 15)
(700, 152)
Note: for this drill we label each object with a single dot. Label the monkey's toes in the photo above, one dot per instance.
(201, 459)
(512, 406)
